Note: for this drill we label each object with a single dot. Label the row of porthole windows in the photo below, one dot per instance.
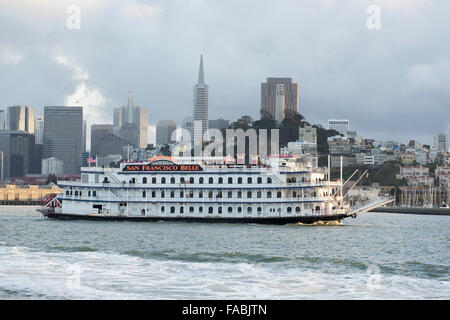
(210, 194)
(201, 180)
(209, 209)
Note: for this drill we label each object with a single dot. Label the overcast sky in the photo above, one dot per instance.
(391, 83)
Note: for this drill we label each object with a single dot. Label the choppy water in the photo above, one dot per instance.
(376, 256)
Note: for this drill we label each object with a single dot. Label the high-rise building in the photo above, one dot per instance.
(164, 130)
(111, 144)
(129, 118)
(17, 152)
(39, 129)
(98, 131)
(307, 134)
(441, 142)
(63, 136)
(201, 104)
(20, 118)
(2, 120)
(341, 126)
(188, 124)
(278, 95)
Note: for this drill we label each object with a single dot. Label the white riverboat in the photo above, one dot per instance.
(279, 192)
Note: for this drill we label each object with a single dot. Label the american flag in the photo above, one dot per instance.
(91, 160)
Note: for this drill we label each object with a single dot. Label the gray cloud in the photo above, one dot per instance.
(393, 82)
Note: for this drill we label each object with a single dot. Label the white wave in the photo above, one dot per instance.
(104, 275)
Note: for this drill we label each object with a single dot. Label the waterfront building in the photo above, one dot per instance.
(341, 126)
(63, 134)
(441, 142)
(279, 97)
(201, 104)
(20, 118)
(52, 166)
(39, 130)
(164, 130)
(98, 131)
(20, 194)
(131, 123)
(17, 151)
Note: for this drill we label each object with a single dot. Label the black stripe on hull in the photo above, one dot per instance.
(271, 220)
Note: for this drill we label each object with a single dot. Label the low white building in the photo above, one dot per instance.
(52, 166)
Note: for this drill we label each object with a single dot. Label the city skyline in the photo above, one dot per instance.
(374, 78)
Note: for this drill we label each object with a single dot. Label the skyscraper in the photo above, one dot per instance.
(17, 153)
(2, 120)
(131, 118)
(63, 135)
(281, 92)
(20, 118)
(164, 130)
(201, 103)
(39, 129)
(98, 131)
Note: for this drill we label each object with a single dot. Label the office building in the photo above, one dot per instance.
(219, 124)
(164, 130)
(279, 98)
(52, 166)
(341, 126)
(63, 136)
(441, 142)
(20, 118)
(17, 151)
(201, 105)
(131, 118)
(98, 131)
(39, 130)
(2, 120)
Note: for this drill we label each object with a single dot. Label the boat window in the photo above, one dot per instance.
(230, 209)
(239, 180)
(249, 180)
(220, 180)
(294, 194)
(259, 180)
(210, 180)
(249, 209)
(269, 194)
(76, 193)
(191, 180)
(239, 194)
(269, 180)
(200, 180)
(210, 194)
(230, 180)
(94, 193)
(144, 194)
(67, 192)
(172, 194)
(172, 209)
(297, 209)
(259, 209)
(230, 194)
(258, 194)
(239, 209)
(182, 180)
(210, 210)
(181, 209)
(162, 209)
(191, 209)
(200, 194)
(163, 180)
(181, 194)
(289, 209)
(162, 194)
(249, 194)
(172, 180)
(153, 180)
(200, 209)
(144, 180)
(153, 194)
(279, 194)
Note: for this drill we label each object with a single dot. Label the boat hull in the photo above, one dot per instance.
(268, 220)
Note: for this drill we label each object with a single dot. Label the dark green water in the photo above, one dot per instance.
(376, 256)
